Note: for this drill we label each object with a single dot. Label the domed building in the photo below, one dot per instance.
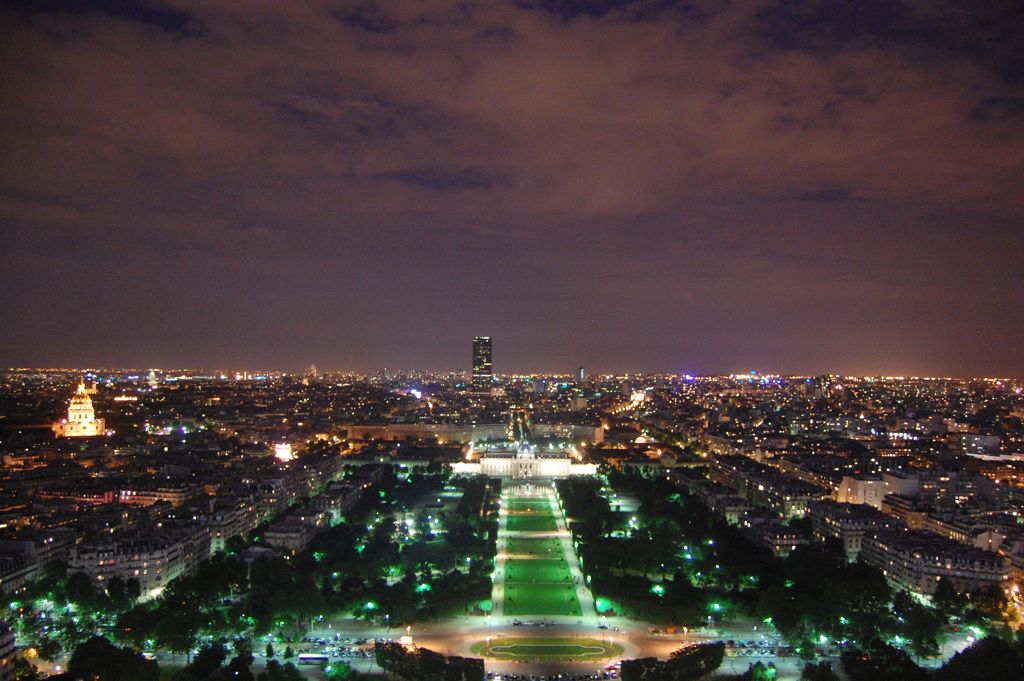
(81, 420)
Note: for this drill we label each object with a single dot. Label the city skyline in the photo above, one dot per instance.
(280, 527)
(251, 372)
(695, 187)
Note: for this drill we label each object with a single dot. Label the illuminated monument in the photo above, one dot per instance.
(81, 420)
(525, 462)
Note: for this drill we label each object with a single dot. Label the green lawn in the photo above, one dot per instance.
(532, 522)
(522, 598)
(536, 548)
(537, 570)
(529, 504)
(548, 649)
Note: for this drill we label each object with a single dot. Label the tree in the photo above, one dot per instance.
(686, 664)
(819, 672)
(117, 592)
(81, 590)
(339, 671)
(135, 626)
(238, 669)
(23, 670)
(288, 653)
(989, 659)
(641, 669)
(881, 662)
(275, 671)
(132, 589)
(986, 604)
(207, 661)
(921, 625)
(270, 650)
(99, 660)
(696, 661)
(948, 599)
(759, 671)
(178, 627)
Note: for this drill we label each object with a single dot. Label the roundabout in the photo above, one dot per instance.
(547, 649)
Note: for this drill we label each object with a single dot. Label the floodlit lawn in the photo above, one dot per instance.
(532, 522)
(548, 649)
(538, 570)
(535, 548)
(522, 598)
(529, 504)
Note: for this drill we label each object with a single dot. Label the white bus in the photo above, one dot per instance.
(312, 658)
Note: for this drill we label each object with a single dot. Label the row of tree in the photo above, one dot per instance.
(686, 664)
(421, 664)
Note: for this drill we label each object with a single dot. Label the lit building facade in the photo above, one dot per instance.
(81, 420)
(525, 463)
(859, 489)
(152, 560)
(916, 561)
(448, 433)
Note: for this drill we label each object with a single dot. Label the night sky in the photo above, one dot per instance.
(706, 186)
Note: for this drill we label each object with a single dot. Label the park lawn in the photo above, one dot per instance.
(529, 504)
(532, 523)
(537, 570)
(522, 598)
(534, 548)
(547, 649)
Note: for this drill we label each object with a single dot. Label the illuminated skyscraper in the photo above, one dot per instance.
(483, 376)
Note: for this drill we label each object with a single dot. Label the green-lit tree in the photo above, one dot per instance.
(921, 625)
(23, 670)
(275, 671)
(339, 671)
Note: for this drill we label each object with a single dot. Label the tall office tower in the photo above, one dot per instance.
(581, 375)
(482, 373)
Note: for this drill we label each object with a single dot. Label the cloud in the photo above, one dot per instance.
(828, 194)
(671, 143)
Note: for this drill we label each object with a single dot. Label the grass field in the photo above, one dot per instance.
(546, 598)
(537, 579)
(547, 649)
(532, 522)
(537, 570)
(534, 548)
(529, 504)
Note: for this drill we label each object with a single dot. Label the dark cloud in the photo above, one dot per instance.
(828, 194)
(441, 179)
(705, 185)
(153, 13)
